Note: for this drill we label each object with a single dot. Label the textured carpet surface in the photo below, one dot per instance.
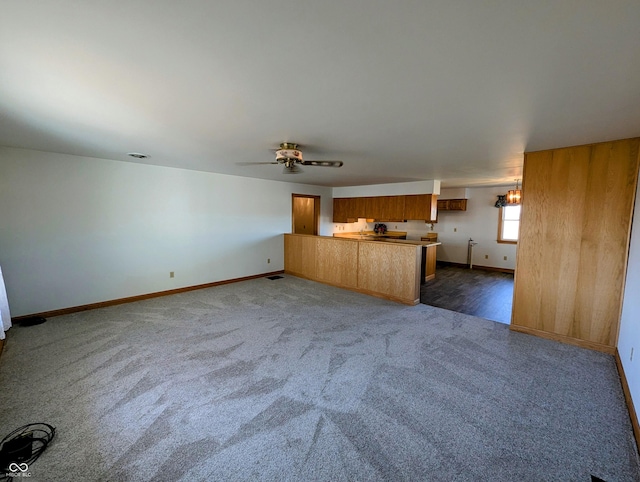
(295, 380)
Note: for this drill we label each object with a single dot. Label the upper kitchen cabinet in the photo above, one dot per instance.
(374, 207)
(419, 207)
(385, 208)
(358, 207)
(393, 208)
(340, 210)
(423, 207)
(348, 209)
(452, 205)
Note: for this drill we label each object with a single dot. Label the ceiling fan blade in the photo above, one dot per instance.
(323, 163)
(254, 163)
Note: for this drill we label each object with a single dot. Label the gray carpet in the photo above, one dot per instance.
(293, 380)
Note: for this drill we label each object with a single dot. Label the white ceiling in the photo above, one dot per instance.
(399, 90)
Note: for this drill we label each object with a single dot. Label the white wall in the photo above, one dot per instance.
(629, 337)
(479, 222)
(455, 193)
(77, 230)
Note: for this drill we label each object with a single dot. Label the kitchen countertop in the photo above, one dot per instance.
(370, 235)
(389, 236)
(411, 241)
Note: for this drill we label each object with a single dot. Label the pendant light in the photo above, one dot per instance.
(514, 196)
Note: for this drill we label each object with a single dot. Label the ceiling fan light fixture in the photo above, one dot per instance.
(290, 167)
(288, 152)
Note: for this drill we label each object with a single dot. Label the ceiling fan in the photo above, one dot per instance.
(290, 156)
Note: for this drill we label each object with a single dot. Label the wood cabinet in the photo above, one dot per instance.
(340, 210)
(457, 204)
(358, 207)
(421, 207)
(452, 205)
(373, 207)
(394, 208)
(429, 255)
(574, 242)
(386, 208)
(348, 209)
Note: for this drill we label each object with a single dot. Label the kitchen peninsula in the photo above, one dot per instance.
(386, 268)
(370, 235)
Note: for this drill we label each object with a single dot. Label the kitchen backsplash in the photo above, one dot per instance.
(414, 229)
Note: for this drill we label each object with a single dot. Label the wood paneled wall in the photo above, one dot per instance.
(386, 270)
(574, 238)
(390, 268)
(337, 263)
(300, 255)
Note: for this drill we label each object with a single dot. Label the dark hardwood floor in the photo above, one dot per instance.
(487, 294)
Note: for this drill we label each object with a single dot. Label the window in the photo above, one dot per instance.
(509, 224)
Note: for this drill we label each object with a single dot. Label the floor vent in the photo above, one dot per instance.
(30, 321)
(274, 277)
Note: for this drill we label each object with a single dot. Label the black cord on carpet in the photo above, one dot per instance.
(22, 447)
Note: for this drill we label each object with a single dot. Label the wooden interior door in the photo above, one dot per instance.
(305, 214)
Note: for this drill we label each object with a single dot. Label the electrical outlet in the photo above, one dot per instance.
(268, 260)
(171, 274)
(505, 258)
(486, 256)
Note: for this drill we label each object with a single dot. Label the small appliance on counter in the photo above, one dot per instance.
(380, 228)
